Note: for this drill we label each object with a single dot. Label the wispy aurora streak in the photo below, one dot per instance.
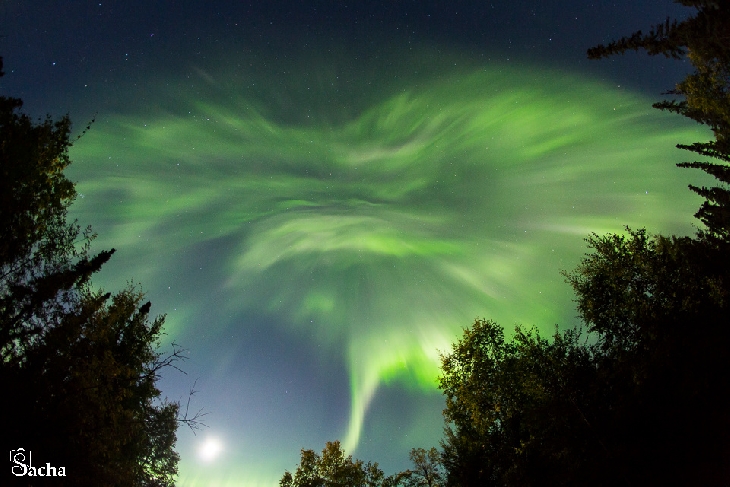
(381, 237)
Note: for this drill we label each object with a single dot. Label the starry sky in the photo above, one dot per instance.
(320, 195)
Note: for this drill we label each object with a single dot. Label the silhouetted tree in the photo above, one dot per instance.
(79, 367)
(521, 412)
(660, 304)
(333, 469)
(658, 307)
(705, 40)
(634, 402)
(85, 395)
(427, 470)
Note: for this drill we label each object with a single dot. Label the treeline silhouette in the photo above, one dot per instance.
(79, 366)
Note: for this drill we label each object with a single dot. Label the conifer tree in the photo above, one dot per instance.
(704, 95)
(79, 367)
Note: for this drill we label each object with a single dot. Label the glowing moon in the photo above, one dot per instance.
(210, 449)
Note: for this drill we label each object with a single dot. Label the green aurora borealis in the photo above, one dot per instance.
(370, 233)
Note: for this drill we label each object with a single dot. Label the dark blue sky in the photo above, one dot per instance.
(54, 50)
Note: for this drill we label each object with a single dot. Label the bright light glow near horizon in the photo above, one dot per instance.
(210, 449)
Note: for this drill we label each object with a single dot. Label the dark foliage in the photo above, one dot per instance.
(78, 367)
(638, 397)
(659, 308)
(518, 412)
(704, 95)
(635, 400)
(332, 468)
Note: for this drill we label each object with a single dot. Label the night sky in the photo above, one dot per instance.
(320, 195)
